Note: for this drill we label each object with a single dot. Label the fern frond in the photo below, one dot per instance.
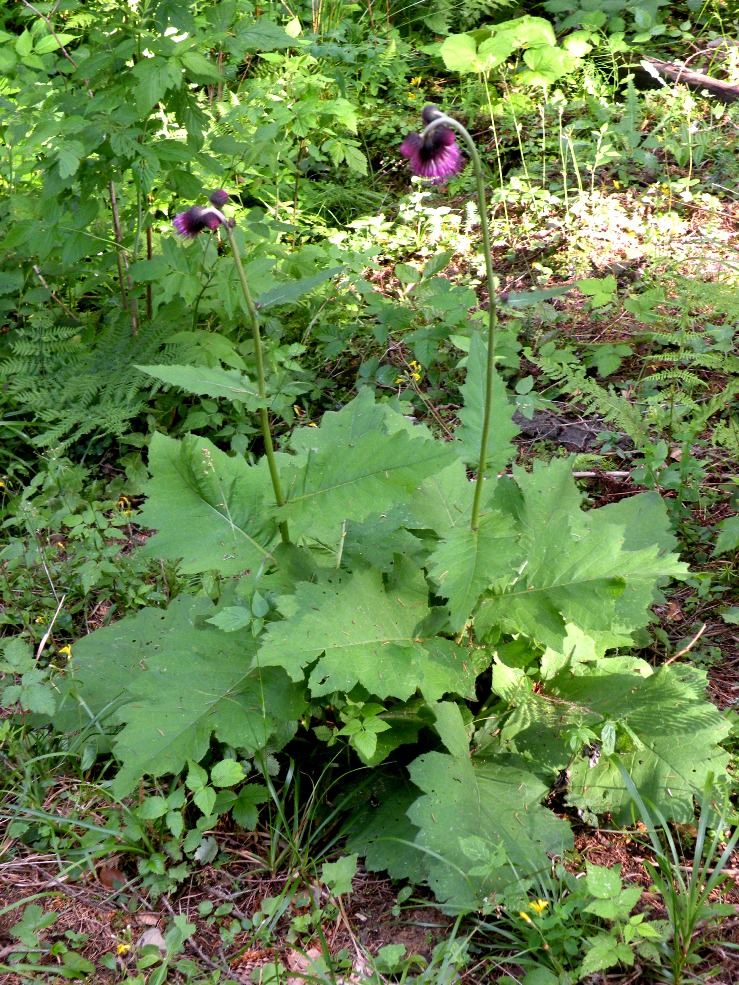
(596, 399)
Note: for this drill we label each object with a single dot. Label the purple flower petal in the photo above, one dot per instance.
(219, 197)
(195, 220)
(435, 156)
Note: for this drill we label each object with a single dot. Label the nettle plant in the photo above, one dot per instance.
(464, 628)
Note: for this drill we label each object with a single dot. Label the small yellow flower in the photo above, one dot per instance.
(411, 95)
(122, 948)
(40, 619)
(60, 545)
(525, 916)
(417, 80)
(66, 651)
(2, 484)
(539, 906)
(399, 380)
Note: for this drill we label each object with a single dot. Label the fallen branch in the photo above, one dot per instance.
(693, 80)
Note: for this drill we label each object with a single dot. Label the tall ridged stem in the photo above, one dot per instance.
(482, 205)
(261, 380)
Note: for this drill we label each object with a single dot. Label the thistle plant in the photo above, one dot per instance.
(189, 225)
(434, 154)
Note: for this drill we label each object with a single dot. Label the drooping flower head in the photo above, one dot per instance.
(197, 218)
(434, 153)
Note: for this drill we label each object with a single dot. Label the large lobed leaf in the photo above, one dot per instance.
(590, 570)
(468, 561)
(476, 824)
(210, 381)
(208, 508)
(175, 681)
(667, 736)
(361, 461)
(352, 629)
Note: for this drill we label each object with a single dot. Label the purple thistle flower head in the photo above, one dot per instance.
(434, 155)
(219, 198)
(195, 220)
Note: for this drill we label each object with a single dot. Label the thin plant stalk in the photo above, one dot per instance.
(124, 275)
(449, 121)
(261, 380)
(149, 256)
(498, 156)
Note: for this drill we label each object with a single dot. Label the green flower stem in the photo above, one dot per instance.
(492, 313)
(261, 382)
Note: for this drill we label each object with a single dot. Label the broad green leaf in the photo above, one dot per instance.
(466, 796)
(231, 618)
(208, 508)
(667, 736)
(244, 811)
(443, 501)
(530, 32)
(381, 831)
(355, 158)
(199, 66)
(290, 290)
(226, 773)
(205, 799)
(605, 951)
(375, 542)
(358, 418)
(459, 53)
(33, 694)
(174, 681)
(338, 875)
(547, 65)
(152, 808)
(70, 156)
(264, 35)
(496, 50)
(197, 777)
(53, 42)
(728, 537)
(581, 569)
(155, 78)
(209, 381)
(502, 431)
(352, 630)
(467, 562)
(348, 478)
